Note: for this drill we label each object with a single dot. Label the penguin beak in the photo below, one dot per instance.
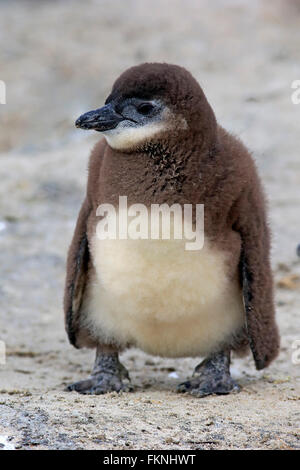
(102, 119)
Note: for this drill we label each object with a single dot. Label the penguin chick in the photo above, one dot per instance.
(162, 145)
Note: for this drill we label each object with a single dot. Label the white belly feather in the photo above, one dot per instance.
(161, 298)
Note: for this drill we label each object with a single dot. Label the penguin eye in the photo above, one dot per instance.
(145, 108)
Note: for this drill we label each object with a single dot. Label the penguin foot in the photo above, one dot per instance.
(100, 384)
(107, 376)
(200, 387)
(211, 377)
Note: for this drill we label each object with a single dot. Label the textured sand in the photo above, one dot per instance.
(59, 59)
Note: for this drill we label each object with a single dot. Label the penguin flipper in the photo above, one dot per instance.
(256, 278)
(76, 276)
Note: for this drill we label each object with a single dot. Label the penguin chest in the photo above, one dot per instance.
(156, 295)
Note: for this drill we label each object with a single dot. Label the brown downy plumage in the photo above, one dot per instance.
(188, 160)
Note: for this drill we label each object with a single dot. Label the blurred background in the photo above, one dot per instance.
(60, 59)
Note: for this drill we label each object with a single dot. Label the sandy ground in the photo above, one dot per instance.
(59, 59)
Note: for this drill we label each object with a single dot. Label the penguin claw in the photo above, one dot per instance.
(80, 386)
(199, 387)
(184, 387)
(99, 385)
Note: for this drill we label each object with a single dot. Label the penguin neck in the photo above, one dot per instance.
(175, 164)
(160, 170)
(181, 147)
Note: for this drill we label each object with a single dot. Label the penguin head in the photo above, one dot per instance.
(148, 102)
